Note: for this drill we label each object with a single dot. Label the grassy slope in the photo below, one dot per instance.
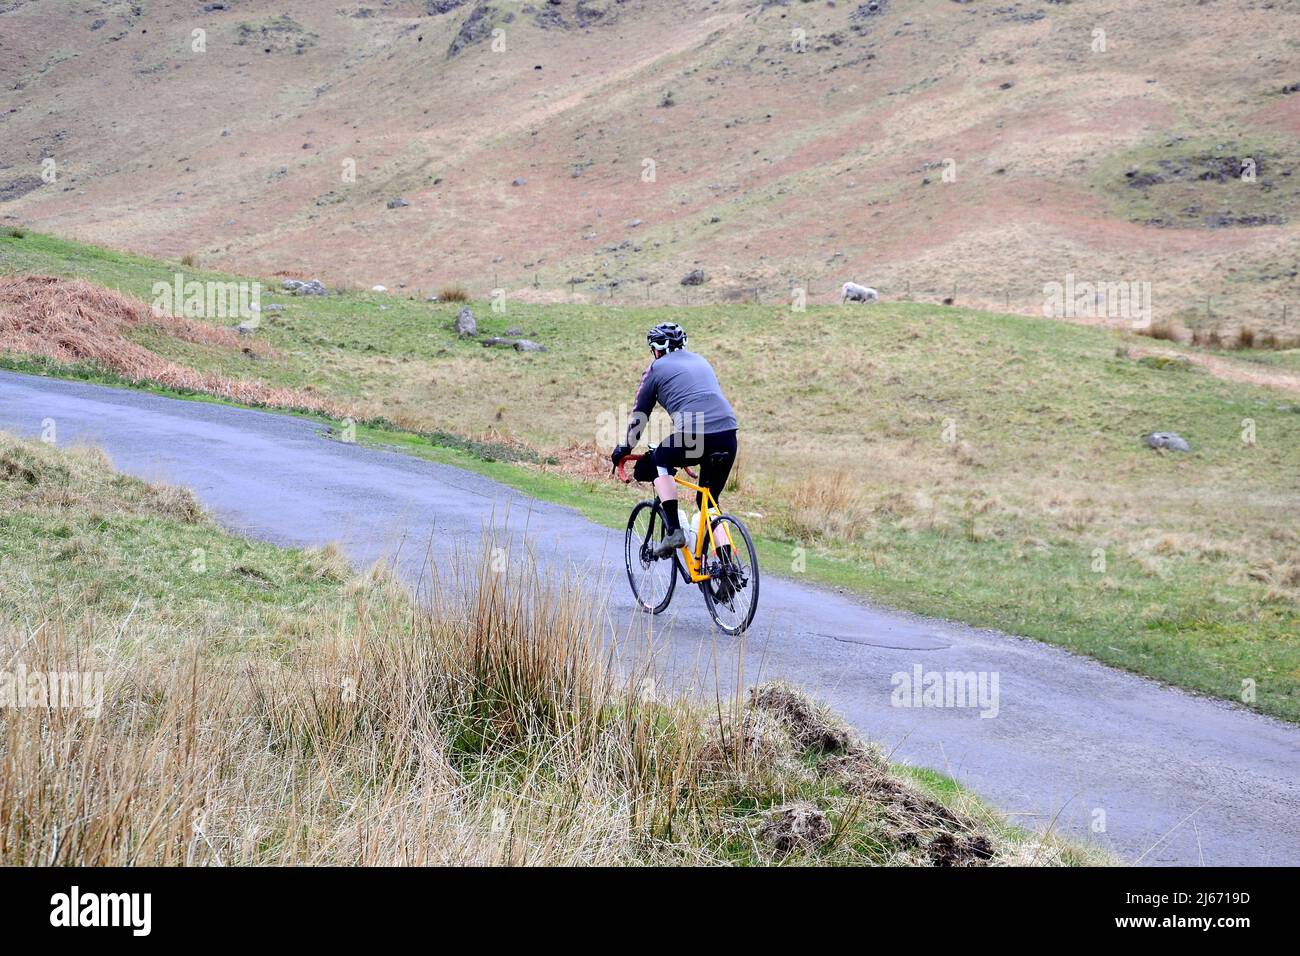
(239, 655)
(847, 417)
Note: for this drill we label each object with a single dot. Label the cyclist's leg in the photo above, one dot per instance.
(662, 464)
(665, 460)
(719, 455)
(661, 479)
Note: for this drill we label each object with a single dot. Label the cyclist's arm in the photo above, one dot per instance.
(646, 395)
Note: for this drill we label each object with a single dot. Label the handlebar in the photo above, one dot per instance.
(623, 477)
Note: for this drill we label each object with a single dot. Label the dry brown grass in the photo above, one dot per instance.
(72, 321)
(489, 729)
(359, 748)
(1169, 330)
(1246, 338)
(453, 293)
(827, 504)
(1210, 339)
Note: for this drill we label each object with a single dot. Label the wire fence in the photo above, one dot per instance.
(1277, 310)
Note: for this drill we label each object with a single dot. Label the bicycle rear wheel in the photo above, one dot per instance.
(652, 579)
(731, 593)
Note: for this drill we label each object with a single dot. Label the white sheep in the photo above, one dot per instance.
(852, 292)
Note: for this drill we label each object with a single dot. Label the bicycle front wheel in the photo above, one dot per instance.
(731, 592)
(652, 579)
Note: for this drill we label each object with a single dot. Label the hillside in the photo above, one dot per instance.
(779, 157)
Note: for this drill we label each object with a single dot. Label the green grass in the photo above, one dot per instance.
(80, 536)
(968, 465)
(1286, 359)
(1191, 191)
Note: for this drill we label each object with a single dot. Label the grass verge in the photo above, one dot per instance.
(259, 705)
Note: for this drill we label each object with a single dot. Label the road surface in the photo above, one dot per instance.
(1156, 775)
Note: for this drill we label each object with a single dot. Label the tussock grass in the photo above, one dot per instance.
(826, 505)
(1210, 338)
(1168, 330)
(486, 725)
(1245, 339)
(453, 293)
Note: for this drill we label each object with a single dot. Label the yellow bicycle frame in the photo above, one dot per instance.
(708, 507)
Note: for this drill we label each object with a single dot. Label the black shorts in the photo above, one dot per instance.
(712, 454)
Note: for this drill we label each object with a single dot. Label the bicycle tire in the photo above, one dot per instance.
(635, 558)
(725, 615)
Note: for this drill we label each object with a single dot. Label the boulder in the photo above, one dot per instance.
(397, 202)
(519, 345)
(695, 277)
(311, 287)
(465, 325)
(1166, 441)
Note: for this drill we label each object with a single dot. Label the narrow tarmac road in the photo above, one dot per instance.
(1156, 775)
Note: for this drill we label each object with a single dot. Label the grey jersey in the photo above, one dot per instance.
(684, 384)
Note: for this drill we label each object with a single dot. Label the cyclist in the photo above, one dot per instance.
(704, 426)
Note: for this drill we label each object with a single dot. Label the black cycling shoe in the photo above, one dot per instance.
(675, 540)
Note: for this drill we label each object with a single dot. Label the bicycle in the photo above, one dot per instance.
(728, 579)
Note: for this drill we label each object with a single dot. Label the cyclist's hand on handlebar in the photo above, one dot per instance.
(619, 453)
